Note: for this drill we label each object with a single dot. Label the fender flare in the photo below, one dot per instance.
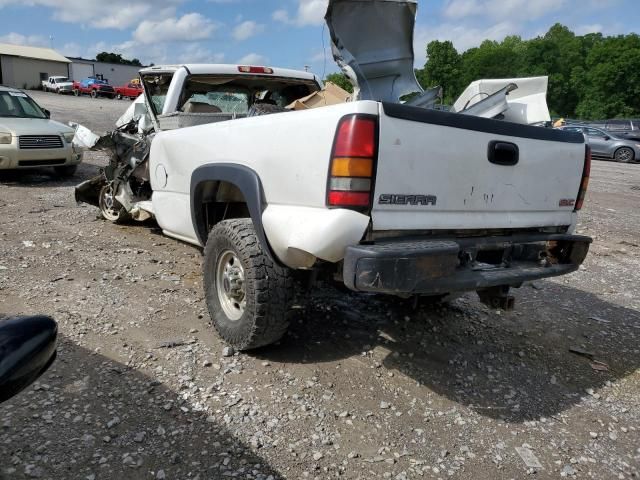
(247, 181)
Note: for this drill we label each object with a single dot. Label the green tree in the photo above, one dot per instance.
(341, 80)
(590, 76)
(442, 69)
(110, 57)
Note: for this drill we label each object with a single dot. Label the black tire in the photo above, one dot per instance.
(94, 94)
(76, 92)
(267, 287)
(119, 96)
(66, 171)
(624, 155)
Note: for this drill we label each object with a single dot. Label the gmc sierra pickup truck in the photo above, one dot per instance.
(384, 196)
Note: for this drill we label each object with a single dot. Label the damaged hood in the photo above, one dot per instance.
(372, 41)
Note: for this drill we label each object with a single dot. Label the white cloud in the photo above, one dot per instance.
(19, 39)
(189, 27)
(118, 14)
(584, 29)
(462, 36)
(253, 59)
(309, 12)
(502, 9)
(197, 53)
(71, 49)
(247, 29)
(280, 16)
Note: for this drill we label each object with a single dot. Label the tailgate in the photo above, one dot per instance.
(434, 172)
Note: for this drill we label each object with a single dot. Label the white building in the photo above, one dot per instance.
(114, 73)
(26, 67)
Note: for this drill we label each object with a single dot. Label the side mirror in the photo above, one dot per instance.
(47, 113)
(27, 350)
(606, 137)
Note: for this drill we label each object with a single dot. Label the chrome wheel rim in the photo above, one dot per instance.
(230, 285)
(624, 155)
(109, 205)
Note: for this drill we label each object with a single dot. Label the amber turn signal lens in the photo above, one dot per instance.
(352, 167)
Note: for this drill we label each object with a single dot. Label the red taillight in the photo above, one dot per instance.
(584, 184)
(352, 199)
(353, 162)
(250, 69)
(356, 138)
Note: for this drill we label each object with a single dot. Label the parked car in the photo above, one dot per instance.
(27, 350)
(93, 87)
(29, 138)
(622, 128)
(131, 90)
(608, 146)
(58, 85)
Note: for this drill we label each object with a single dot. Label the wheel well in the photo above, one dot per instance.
(220, 201)
(225, 191)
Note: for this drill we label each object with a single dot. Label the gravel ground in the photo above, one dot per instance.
(361, 387)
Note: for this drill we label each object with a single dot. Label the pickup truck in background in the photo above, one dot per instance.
(58, 85)
(94, 88)
(131, 91)
(380, 196)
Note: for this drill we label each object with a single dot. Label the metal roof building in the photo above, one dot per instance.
(114, 73)
(26, 67)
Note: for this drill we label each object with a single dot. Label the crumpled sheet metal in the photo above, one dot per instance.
(372, 41)
(128, 154)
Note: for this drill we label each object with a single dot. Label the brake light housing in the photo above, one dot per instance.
(252, 69)
(584, 183)
(353, 163)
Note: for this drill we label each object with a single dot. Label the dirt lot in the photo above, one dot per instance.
(361, 387)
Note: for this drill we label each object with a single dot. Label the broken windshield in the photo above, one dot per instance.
(157, 86)
(233, 94)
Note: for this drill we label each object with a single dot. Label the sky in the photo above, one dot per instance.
(283, 33)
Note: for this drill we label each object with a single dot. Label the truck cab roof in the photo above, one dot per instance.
(231, 69)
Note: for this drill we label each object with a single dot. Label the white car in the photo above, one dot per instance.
(30, 139)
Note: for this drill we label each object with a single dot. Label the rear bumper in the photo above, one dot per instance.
(432, 267)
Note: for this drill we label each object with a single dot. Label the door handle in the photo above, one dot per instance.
(503, 153)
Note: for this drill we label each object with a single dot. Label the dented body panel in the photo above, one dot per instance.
(372, 41)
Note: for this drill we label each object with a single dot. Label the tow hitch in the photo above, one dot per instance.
(497, 297)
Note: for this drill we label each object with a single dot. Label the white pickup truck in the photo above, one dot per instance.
(58, 85)
(382, 196)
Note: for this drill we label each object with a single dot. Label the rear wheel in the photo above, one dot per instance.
(76, 92)
(624, 155)
(110, 208)
(247, 294)
(66, 170)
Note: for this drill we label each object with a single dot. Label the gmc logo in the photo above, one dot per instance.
(414, 200)
(567, 202)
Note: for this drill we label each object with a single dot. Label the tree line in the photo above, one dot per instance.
(591, 76)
